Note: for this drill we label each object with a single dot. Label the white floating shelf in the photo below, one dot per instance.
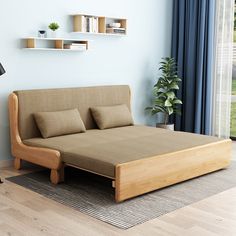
(102, 34)
(54, 49)
(54, 44)
(54, 39)
(82, 23)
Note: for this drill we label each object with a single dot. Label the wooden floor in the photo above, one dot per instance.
(23, 212)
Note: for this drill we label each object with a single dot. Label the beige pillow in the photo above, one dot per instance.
(59, 123)
(112, 116)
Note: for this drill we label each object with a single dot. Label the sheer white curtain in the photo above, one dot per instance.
(224, 26)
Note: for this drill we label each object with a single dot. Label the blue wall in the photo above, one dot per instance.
(111, 60)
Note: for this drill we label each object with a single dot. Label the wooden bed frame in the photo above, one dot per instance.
(132, 178)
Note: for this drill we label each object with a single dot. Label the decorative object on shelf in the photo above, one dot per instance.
(90, 24)
(54, 27)
(42, 33)
(112, 30)
(2, 71)
(56, 44)
(165, 100)
(115, 28)
(115, 25)
(76, 46)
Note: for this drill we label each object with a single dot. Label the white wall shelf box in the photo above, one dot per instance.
(55, 44)
(99, 25)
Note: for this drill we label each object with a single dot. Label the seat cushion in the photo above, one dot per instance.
(101, 150)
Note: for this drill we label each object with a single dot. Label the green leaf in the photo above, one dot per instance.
(170, 95)
(162, 95)
(159, 102)
(161, 108)
(168, 103)
(177, 101)
(170, 110)
(156, 110)
(174, 86)
(177, 79)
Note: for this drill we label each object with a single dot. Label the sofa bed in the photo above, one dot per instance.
(137, 159)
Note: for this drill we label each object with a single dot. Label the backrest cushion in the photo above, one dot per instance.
(56, 123)
(32, 101)
(112, 116)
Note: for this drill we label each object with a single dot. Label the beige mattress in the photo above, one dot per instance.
(101, 150)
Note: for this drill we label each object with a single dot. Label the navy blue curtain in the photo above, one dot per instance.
(192, 47)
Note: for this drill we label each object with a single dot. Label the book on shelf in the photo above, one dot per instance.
(112, 30)
(75, 46)
(78, 44)
(95, 24)
(83, 23)
(88, 22)
(91, 24)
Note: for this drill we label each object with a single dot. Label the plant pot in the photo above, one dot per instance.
(53, 34)
(164, 126)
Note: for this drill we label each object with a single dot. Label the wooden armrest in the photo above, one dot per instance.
(41, 156)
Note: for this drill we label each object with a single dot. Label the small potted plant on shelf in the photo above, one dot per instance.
(165, 100)
(54, 27)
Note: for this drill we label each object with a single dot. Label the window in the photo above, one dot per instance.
(233, 98)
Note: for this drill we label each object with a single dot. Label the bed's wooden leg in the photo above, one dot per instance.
(117, 185)
(57, 176)
(117, 196)
(17, 163)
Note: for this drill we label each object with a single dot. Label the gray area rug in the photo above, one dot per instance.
(94, 195)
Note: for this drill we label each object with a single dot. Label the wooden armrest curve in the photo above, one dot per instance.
(41, 156)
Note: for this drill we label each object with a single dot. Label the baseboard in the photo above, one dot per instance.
(6, 163)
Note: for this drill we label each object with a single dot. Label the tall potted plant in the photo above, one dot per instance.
(165, 100)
